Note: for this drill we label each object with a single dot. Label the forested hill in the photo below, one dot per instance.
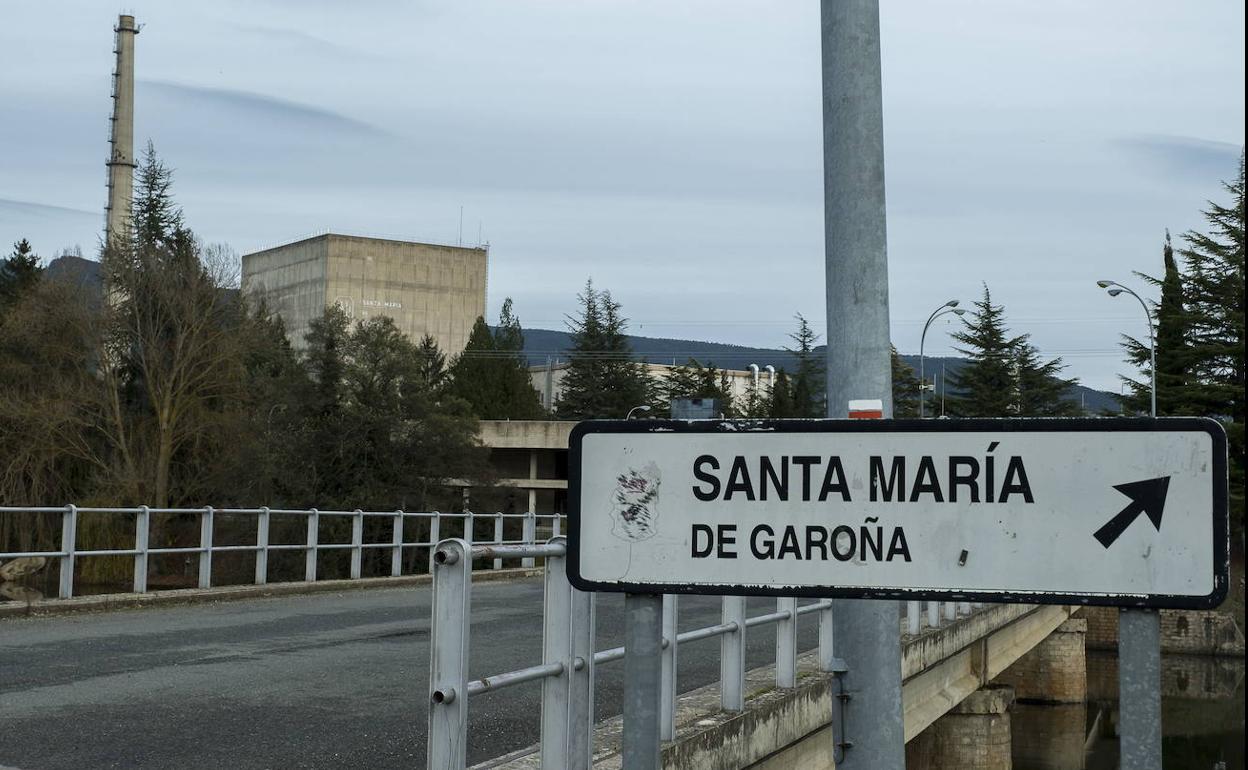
(541, 345)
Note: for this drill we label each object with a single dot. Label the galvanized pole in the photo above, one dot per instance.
(643, 643)
(868, 633)
(1139, 689)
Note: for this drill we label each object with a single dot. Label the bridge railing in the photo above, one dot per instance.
(71, 550)
(569, 658)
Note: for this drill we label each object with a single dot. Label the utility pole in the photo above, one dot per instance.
(867, 633)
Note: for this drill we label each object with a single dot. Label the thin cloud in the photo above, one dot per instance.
(261, 107)
(1188, 156)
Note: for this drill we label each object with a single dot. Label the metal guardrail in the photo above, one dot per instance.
(566, 672)
(70, 552)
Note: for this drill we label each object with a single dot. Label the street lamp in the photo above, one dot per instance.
(1114, 289)
(641, 408)
(949, 307)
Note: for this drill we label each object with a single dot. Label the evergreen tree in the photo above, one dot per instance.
(809, 383)
(780, 399)
(491, 373)
(602, 379)
(156, 219)
(432, 364)
(325, 359)
(985, 385)
(905, 387)
(1173, 351)
(693, 380)
(1214, 296)
(18, 272)
(1038, 390)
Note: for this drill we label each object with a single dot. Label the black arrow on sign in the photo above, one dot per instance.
(1147, 497)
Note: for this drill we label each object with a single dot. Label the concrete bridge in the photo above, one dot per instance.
(339, 678)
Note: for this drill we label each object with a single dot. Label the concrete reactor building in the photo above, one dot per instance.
(426, 288)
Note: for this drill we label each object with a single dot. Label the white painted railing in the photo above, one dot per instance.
(566, 672)
(463, 524)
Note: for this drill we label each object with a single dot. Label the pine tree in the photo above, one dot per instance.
(602, 379)
(432, 363)
(491, 374)
(325, 358)
(809, 385)
(156, 219)
(18, 272)
(1038, 390)
(693, 380)
(1214, 296)
(905, 387)
(985, 385)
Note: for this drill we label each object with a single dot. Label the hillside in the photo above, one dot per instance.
(542, 345)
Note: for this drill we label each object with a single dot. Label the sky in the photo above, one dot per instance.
(668, 149)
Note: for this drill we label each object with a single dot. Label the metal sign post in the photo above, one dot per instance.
(1139, 689)
(643, 643)
(858, 366)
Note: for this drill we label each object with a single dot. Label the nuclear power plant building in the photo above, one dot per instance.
(426, 288)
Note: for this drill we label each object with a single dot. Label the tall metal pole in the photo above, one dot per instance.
(1139, 637)
(867, 633)
(643, 643)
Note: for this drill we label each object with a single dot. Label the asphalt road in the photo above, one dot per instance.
(328, 680)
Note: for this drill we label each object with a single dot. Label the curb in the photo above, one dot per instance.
(174, 597)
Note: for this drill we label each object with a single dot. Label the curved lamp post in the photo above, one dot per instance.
(1114, 289)
(641, 408)
(949, 307)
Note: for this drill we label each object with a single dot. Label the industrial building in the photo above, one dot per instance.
(548, 380)
(426, 288)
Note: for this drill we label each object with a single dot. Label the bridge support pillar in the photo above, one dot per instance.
(974, 735)
(1054, 671)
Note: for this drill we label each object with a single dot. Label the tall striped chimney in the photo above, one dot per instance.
(121, 134)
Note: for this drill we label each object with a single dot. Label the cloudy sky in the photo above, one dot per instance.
(670, 149)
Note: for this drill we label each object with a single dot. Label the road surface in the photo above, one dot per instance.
(325, 680)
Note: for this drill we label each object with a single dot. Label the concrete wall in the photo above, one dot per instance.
(425, 288)
(291, 280)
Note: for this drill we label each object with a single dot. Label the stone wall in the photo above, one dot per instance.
(974, 735)
(1187, 632)
(1054, 671)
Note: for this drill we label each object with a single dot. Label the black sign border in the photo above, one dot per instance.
(1221, 539)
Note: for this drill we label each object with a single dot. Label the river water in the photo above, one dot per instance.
(1202, 719)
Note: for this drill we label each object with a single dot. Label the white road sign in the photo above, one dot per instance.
(1128, 512)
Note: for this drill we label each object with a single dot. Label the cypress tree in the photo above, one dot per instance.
(1173, 349)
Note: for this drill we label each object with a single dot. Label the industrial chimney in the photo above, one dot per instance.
(121, 135)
